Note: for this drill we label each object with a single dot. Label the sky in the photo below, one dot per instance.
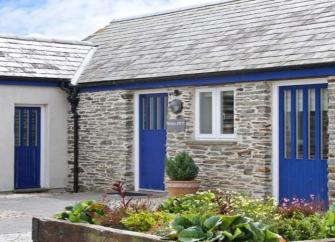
(75, 19)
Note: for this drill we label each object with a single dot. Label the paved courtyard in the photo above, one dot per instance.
(17, 210)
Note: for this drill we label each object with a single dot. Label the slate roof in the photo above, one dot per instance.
(221, 37)
(42, 58)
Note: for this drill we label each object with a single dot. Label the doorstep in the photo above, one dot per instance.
(31, 190)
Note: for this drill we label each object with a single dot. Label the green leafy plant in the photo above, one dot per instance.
(83, 212)
(220, 228)
(181, 168)
(201, 202)
(144, 221)
(300, 227)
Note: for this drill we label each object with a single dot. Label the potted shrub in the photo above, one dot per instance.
(182, 172)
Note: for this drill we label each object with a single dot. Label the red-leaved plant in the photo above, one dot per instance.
(119, 188)
(129, 203)
(290, 207)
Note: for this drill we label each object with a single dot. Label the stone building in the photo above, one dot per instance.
(245, 87)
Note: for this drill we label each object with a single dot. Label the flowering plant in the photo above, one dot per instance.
(290, 207)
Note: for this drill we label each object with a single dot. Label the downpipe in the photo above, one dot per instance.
(73, 99)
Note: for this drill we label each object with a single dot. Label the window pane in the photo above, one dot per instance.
(144, 112)
(311, 123)
(151, 117)
(17, 127)
(34, 129)
(26, 128)
(227, 112)
(299, 123)
(324, 123)
(205, 113)
(165, 106)
(158, 111)
(287, 117)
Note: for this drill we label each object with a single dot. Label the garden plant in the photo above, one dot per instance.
(211, 216)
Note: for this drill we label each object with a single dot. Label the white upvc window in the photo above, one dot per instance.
(214, 114)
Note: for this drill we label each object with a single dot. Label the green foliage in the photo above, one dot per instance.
(211, 203)
(300, 227)
(201, 202)
(329, 222)
(82, 212)
(220, 228)
(263, 210)
(181, 168)
(144, 221)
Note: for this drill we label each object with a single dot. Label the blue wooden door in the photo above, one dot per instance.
(153, 110)
(303, 141)
(27, 147)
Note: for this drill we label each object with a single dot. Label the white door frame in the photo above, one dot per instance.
(137, 133)
(275, 125)
(44, 169)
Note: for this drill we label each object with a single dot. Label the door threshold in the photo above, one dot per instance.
(31, 190)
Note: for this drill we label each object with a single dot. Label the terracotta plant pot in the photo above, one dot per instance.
(176, 188)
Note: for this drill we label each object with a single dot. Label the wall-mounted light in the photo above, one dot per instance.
(176, 92)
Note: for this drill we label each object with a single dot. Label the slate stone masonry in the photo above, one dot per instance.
(243, 164)
(331, 131)
(107, 141)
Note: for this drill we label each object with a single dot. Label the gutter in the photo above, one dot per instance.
(73, 99)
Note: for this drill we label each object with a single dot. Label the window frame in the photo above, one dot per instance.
(216, 116)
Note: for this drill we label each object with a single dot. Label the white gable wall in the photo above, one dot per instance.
(52, 101)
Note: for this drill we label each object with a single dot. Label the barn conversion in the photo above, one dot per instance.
(246, 87)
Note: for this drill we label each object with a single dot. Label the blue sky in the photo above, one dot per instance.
(75, 19)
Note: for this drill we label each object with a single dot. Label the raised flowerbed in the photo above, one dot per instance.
(52, 230)
(216, 216)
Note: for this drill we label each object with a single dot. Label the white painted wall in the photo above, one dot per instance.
(52, 101)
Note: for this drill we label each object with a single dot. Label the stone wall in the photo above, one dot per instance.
(242, 165)
(331, 130)
(106, 141)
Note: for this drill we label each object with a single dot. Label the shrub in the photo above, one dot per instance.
(201, 202)
(181, 168)
(220, 228)
(299, 227)
(263, 210)
(144, 221)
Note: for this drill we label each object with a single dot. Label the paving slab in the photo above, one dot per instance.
(17, 210)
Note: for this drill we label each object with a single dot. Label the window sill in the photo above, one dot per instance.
(211, 142)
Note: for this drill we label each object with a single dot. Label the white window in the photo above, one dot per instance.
(215, 113)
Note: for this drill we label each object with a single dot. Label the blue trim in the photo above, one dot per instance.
(260, 76)
(30, 83)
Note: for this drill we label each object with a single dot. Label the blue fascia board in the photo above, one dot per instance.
(251, 77)
(30, 83)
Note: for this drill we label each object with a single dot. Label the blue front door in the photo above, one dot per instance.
(27, 147)
(303, 141)
(153, 110)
